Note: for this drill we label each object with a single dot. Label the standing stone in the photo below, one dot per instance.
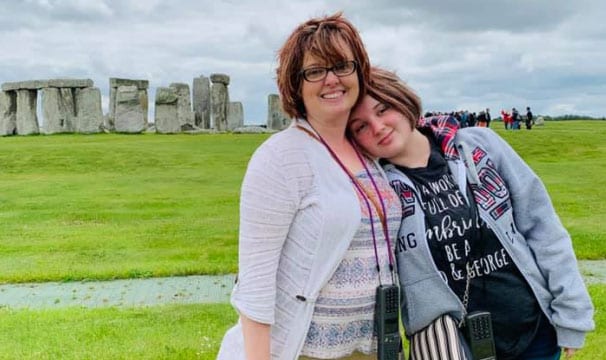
(129, 117)
(219, 98)
(144, 103)
(58, 109)
(166, 118)
(8, 113)
(539, 121)
(142, 86)
(235, 115)
(276, 118)
(69, 107)
(89, 114)
(27, 120)
(201, 101)
(54, 119)
(185, 115)
(111, 115)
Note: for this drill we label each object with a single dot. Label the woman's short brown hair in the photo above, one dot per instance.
(386, 87)
(321, 37)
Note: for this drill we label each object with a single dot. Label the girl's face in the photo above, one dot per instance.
(379, 129)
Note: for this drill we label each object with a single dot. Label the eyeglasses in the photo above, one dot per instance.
(319, 73)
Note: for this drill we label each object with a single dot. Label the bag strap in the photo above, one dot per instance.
(368, 194)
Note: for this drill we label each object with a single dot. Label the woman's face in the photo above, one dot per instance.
(379, 129)
(332, 97)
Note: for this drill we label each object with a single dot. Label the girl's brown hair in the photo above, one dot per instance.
(386, 87)
(323, 38)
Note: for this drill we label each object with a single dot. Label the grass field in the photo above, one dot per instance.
(160, 332)
(125, 206)
(569, 157)
(119, 206)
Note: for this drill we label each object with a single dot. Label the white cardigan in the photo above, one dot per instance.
(298, 214)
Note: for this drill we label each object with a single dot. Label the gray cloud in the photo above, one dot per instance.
(457, 54)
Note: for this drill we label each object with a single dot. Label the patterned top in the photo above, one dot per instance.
(343, 318)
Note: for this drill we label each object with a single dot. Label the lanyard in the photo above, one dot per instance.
(366, 195)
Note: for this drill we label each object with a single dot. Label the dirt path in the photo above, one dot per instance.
(155, 291)
(123, 293)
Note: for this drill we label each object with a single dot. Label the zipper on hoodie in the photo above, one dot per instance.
(426, 247)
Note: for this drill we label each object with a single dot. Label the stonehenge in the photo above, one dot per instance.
(8, 113)
(185, 116)
(235, 115)
(166, 111)
(128, 105)
(89, 112)
(27, 119)
(128, 115)
(210, 103)
(201, 101)
(276, 118)
(219, 99)
(59, 109)
(173, 109)
(75, 106)
(68, 105)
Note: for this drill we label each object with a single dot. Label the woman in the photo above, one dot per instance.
(479, 232)
(316, 216)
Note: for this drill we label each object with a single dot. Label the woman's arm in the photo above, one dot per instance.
(257, 338)
(267, 208)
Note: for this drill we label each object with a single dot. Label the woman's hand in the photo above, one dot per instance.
(569, 352)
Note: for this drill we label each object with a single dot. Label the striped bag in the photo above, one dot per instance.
(441, 340)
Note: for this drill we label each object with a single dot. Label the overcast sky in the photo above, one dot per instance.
(463, 54)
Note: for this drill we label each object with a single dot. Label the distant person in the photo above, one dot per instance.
(318, 219)
(464, 118)
(479, 233)
(481, 120)
(457, 115)
(471, 121)
(506, 120)
(515, 119)
(488, 118)
(529, 118)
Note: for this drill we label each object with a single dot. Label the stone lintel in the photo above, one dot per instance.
(220, 78)
(166, 95)
(25, 85)
(41, 84)
(70, 83)
(179, 86)
(140, 84)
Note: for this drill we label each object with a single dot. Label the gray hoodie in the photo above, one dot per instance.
(514, 203)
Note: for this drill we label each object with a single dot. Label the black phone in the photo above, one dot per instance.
(386, 322)
(479, 334)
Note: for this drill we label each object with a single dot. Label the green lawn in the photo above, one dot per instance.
(124, 206)
(569, 156)
(120, 206)
(160, 332)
